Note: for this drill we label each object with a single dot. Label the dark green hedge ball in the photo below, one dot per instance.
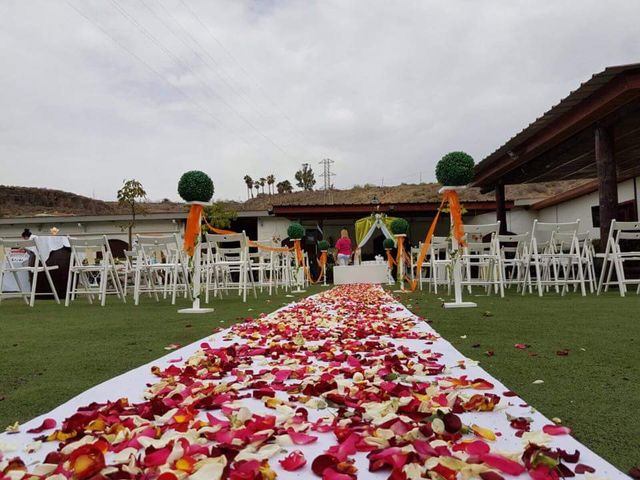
(195, 186)
(399, 226)
(388, 243)
(455, 169)
(295, 231)
(323, 245)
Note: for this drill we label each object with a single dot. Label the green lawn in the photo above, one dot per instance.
(50, 353)
(595, 389)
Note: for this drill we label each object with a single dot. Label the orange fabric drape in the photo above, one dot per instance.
(400, 252)
(252, 243)
(298, 249)
(456, 215)
(192, 229)
(390, 259)
(322, 263)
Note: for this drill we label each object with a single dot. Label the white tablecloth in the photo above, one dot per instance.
(49, 243)
(363, 273)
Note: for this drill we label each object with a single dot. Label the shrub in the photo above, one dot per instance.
(195, 186)
(399, 226)
(323, 245)
(295, 231)
(455, 169)
(388, 243)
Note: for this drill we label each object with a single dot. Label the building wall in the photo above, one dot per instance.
(519, 219)
(272, 227)
(113, 229)
(580, 208)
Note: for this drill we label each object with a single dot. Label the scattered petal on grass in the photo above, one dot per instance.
(463, 336)
(562, 353)
(14, 428)
(489, 353)
(522, 346)
(172, 346)
(538, 382)
(487, 314)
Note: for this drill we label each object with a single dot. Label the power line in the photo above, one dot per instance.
(247, 74)
(172, 56)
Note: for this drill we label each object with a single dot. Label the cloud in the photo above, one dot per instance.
(147, 89)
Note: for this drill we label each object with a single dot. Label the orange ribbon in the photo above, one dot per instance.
(252, 243)
(322, 263)
(456, 216)
(390, 260)
(192, 229)
(298, 249)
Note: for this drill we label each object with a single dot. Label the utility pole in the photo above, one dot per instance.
(326, 175)
(326, 172)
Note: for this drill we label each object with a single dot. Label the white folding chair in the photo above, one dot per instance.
(482, 255)
(514, 258)
(617, 252)
(160, 260)
(557, 261)
(8, 267)
(91, 268)
(224, 264)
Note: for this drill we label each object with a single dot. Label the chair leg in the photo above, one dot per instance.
(33, 287)
(69, 285)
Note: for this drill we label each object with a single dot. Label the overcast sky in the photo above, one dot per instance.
(96, 91)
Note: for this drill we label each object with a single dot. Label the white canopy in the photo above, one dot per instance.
(378, 223)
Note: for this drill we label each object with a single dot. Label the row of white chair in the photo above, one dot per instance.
(554, 256)
(158, 266)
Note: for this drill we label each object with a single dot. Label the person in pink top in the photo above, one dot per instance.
(343, 246)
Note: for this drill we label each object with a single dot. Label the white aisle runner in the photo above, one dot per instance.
(325, 339)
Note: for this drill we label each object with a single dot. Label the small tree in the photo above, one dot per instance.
(262, 182)
(129, 196)
(220, 214)
(284, 187)
(305, 177)
(256, 185)
(271, 179)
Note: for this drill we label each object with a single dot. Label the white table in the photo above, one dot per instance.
(364, 273)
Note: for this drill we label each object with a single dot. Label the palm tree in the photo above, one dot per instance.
(249, 181)
(256, 185)
(284, 187)
(271, 179)
(263, 182)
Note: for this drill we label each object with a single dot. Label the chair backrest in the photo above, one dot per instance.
(476, 233)
(563, 235)
(219, 247)
(14, 244)
(168, 246)
(90, 249)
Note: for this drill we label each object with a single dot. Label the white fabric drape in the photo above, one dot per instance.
(377, 224)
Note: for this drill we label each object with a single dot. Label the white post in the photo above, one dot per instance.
(400, 265)
(456, 263)
(197, 272)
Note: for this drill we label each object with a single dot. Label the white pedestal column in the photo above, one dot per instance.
(457, 267)
(197, 273)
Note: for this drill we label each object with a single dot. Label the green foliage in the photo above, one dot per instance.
(399, 226)
(305, 177)
(220, 215)
(455, 169)
(284, 186)
(323, 245)
(195, 186)
(295, 231)
(388, 243)
(128, 196)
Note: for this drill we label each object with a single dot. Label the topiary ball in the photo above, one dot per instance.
(388, 243)
(455, 169)
(399, 226)
(323, 245)
(295, 231)
(195, 186)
